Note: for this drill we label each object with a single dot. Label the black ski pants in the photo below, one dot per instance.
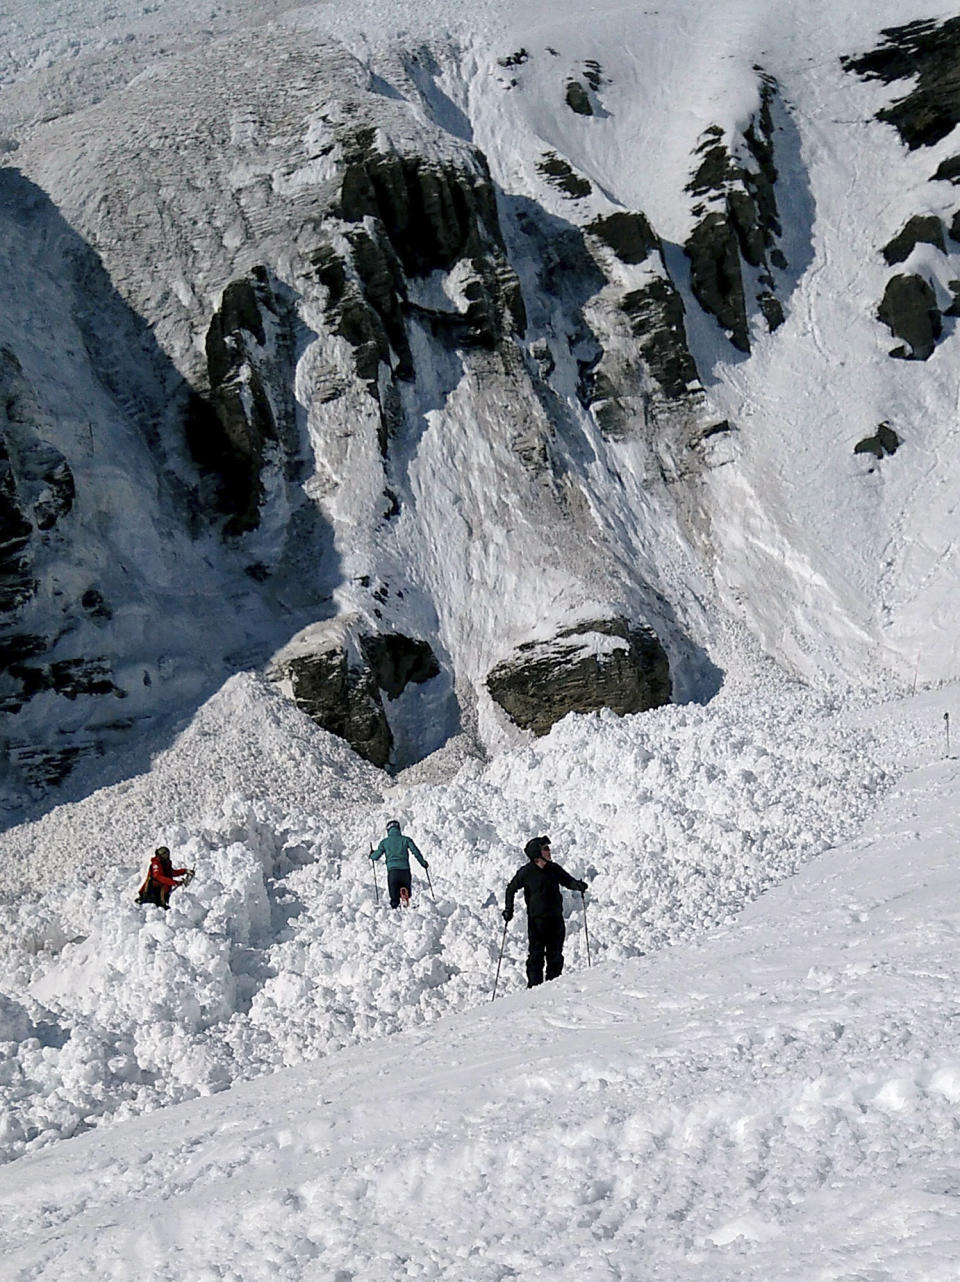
(396, 879)
(546, 936)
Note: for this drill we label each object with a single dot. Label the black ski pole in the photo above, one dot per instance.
(586, 933)
(373, 865)
(430, 884)
(499, 960)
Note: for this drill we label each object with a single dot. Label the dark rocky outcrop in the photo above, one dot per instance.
(715, 276)
(249, 402)
(656, 319)
(665, 368)
(581, 671)
(577, 98)
(949, 170)
(405, 217)
(739, 223)
(593, 74)
(562, 175)
(343, 698)
(883, 443)
(628, 234)
(67, 677)
(921, 229)
(36, 487)
(928, 53)
(433, 214)
(909, 309)
(341, 685)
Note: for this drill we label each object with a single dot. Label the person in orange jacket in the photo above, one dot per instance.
(161, 878)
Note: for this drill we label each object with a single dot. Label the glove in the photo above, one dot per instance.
(508, 914)
(426, 864)
(581, 886)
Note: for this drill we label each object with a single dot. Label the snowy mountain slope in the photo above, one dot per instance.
(451, 370)
(457, 335)
(774, 1100)
(279, 951)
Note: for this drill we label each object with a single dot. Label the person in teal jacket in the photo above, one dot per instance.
(396, 848)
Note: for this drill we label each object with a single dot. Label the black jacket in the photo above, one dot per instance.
(541, 889)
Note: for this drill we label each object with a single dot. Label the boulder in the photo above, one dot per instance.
(607, 663)
(339, 674)
(884, 442)
(342, 697)
(921, 229)
(909, 309)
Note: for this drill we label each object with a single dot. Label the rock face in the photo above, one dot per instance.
(36, 486)
(248, 407)
(601, 664)
(407, 217)
(928, 54)
(378, 392)
(655, 314)
(739, 225)
(37, 493)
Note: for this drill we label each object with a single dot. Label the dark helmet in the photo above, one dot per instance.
(393, 823)
(533, 848)
(163, 852)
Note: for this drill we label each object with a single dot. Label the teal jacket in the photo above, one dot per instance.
(396, 847)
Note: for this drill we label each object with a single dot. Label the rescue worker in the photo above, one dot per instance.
(396, 849)
(161, 878)
(541, 880)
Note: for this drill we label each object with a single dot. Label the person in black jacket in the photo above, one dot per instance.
(541, 880)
